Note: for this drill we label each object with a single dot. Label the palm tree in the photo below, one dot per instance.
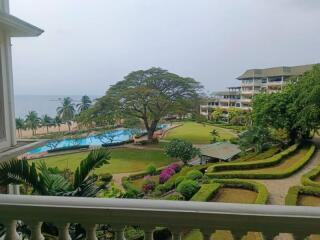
(33, 121)
(84, 104)
(67, 111)
(46, 121)
(20, 125)
(57, 121)
(46, 182)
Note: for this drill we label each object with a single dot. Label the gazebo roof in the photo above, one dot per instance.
(220, 150)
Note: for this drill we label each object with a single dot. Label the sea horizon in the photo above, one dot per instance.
(42, 104)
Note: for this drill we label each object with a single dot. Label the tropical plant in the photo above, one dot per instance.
(216, 114)
(181, 150)
(84, 104)
(66, 111)
(45, 182)
(215, 134)
(57, 121)
(33, 121)
(256, 138)
(47, 121)
(20, 125)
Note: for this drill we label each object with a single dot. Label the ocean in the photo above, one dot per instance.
(42, 104)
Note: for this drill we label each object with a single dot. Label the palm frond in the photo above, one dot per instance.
(95, 159)
(17, 171)
(87, 188)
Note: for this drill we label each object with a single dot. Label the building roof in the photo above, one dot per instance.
(16, 27)
(220, 150)
(276, 71)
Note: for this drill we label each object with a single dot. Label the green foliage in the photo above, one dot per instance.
(179, 180)
(66, 111)
(152, 94)
(181, 149)
(85, 103)
(106, 177)
(188, 188)
(255, 137)
(33, 121)
(94, 160)
(252, 156)
(151, 170)
(260, 174)
(194, 175)
(216, 114)
(259, 188)
(206, 192)
(294, 192)
(133, 233)
(308, 178)
(174, 197)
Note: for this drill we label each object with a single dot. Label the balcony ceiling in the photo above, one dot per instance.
(16, 27)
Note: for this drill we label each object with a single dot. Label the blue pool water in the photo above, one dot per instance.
(114, 136)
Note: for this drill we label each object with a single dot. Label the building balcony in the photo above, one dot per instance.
(274, 83)
(178, 216)
(246, 100)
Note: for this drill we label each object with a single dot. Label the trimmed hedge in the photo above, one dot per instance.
(275, 175)
(259, 188)
(252, 156)
(294, 192)
(68, 148)
(115, 144)
(206, 192)
(194, 175)
(308, 178)
(274, 160)
(188, 188)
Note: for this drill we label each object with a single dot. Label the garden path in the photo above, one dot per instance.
(278, 188)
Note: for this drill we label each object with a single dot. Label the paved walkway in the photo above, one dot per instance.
(278, 188)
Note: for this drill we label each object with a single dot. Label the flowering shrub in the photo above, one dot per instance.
(148, 184)
(176, 167)
(164, 177)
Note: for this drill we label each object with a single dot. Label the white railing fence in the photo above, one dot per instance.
(178, 216)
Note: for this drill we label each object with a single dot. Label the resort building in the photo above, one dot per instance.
(253, 81)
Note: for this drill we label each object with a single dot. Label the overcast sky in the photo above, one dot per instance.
(89, 44)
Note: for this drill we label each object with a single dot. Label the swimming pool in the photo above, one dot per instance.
(112, 136)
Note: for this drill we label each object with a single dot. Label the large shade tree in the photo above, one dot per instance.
(150, 95)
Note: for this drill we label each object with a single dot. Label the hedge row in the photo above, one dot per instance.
(116, 143)
(294, 192)
(308, 179)
(274, 175)
(206, 192)
(252, 156)
(268, 162)
(68, 148)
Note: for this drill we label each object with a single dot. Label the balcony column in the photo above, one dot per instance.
(63, 229)
(239, 235)
(35, 228)
(90, 231)
(11, 233)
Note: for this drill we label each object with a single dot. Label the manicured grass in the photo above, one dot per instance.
(235, 195)
(197, 133)
(122, 160)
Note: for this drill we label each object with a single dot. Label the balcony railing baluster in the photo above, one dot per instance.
(63, 229)
(90, 231)
(35, 228)
(11, 226)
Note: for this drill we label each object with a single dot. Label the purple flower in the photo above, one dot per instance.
(176, 167)
(164, 177)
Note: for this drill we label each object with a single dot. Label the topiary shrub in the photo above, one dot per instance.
(188, 188)
(194, 175)
(151, 170)
(179, 180)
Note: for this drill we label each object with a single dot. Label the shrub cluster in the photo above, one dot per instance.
(174, 197)
(167, 173)
(194, 175)
(206, 192)
(151, 170)
(148, 184)
(260, 175)
(114, 144)
(274, 160)
(188, 188)
(131, 190)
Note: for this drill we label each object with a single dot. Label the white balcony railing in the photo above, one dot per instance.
(178, 216)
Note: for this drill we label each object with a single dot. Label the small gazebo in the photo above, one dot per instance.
(219, 152)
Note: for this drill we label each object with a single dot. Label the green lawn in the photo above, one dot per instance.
(122, 160)
(197, 133)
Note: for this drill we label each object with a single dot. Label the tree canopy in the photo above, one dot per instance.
(149, 95)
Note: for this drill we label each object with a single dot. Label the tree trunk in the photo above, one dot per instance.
(47, 129)
(152, 129)
(69, 127)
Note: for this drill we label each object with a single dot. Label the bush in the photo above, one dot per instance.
(188, 188)
(106, 177)
(175, 167)
(206, 192)
(260, 175)
(194, 175)
(151, 170)
(114, 144)
(181, 150)
(131, 190)
(174, 197)
(148, 184)
(179, 180)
